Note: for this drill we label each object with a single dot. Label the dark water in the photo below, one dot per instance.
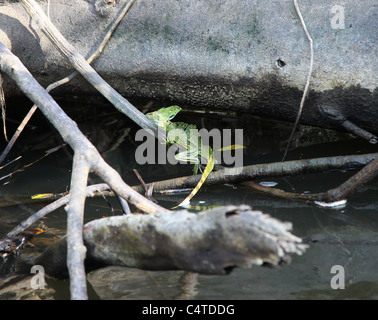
(346, 237)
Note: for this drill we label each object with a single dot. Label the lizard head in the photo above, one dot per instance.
(161, 116)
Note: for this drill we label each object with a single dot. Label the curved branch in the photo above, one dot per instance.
(342, 192)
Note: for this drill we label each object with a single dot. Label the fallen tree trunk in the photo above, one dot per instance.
(245, 56)
(210, 242)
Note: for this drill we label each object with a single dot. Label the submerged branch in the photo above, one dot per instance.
(354, 183)
(342, 192)
(219, 177)
(275, 169)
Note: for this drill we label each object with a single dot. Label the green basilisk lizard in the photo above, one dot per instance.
(187, 136)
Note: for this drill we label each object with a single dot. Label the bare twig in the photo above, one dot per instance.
(124, 205)
(17, 133)
(148, 190)
(2, 106)
(308, 78)
(140, 179)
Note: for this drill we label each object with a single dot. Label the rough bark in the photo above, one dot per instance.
(248, 56)
(210, 242)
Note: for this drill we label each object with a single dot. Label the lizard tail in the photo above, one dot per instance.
(206, 172)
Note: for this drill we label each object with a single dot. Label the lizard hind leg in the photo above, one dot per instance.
(196, 167)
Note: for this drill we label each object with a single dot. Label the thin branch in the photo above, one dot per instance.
(75, 243)
(308, 78)
(114, 180)
(111, 30)
(354, 183)
(124, 205)
(2, 106)
(17, 133)
(147, 190)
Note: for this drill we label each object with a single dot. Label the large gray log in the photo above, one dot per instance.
(211, 242)
(250, 56)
